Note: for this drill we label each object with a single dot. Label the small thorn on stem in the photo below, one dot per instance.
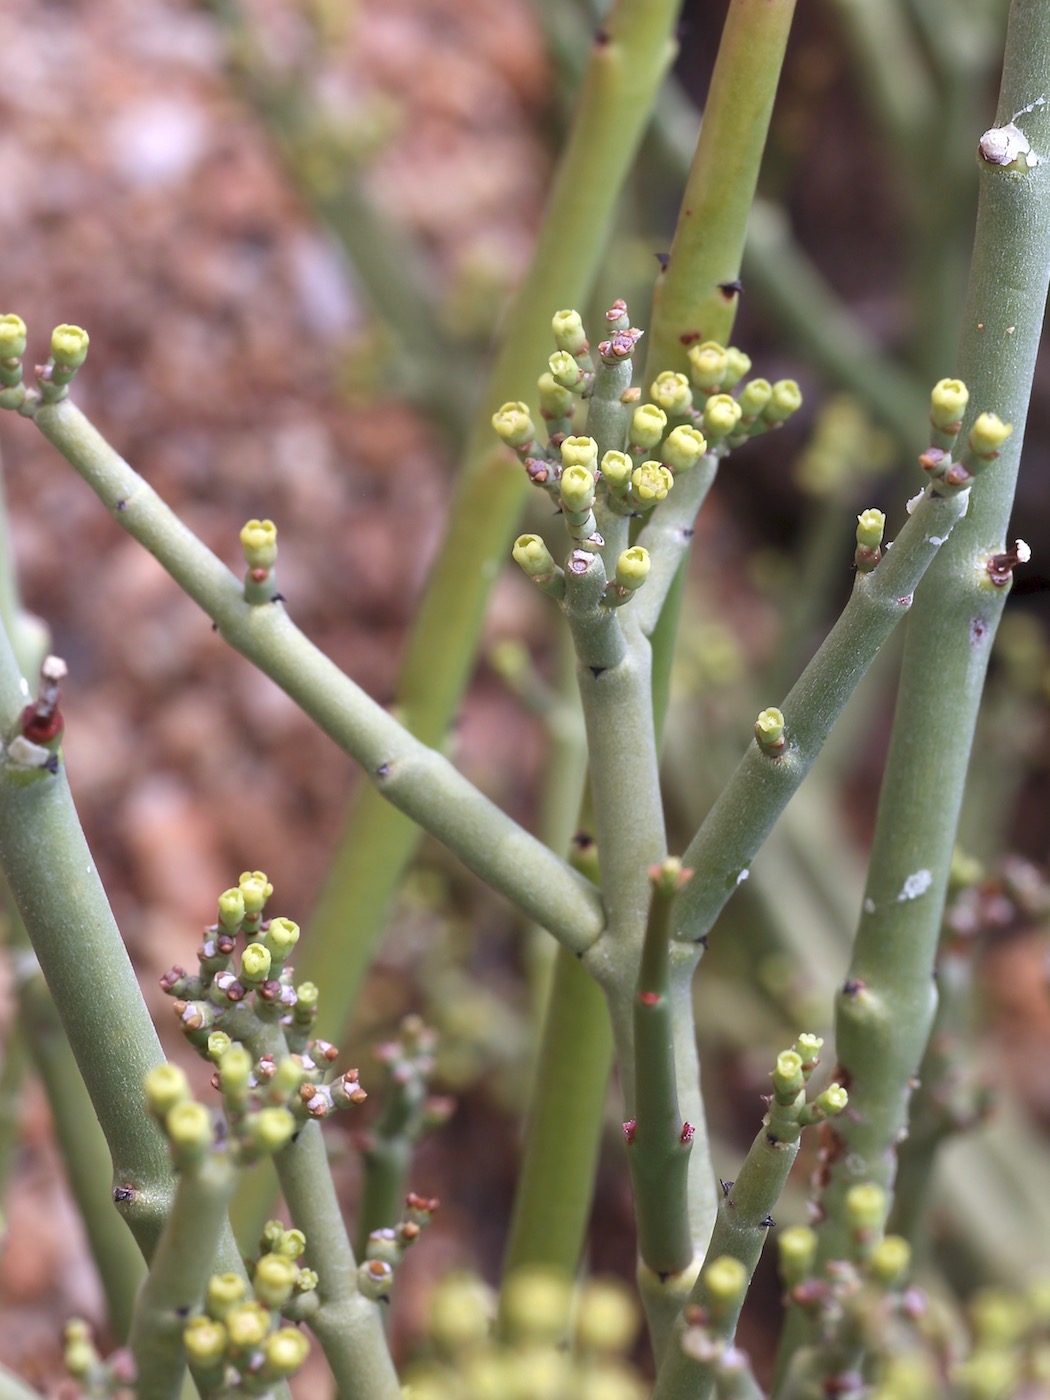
(42, 720)
(1001, 566)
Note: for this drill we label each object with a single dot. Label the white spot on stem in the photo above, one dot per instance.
(915, 886)
(910, 507)
(1006, 145)
(742, 876)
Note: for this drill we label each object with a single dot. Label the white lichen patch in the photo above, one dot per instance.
(915, 886)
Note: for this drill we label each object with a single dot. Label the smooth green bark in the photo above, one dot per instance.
(882, 1024)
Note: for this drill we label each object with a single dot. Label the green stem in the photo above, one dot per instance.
(556, 1182)
(883, 1027)
(690, 304)
(53, 881)
(745, 811)
(626, 68)
(348, 1325)
(179, 1271)
(883, 1017)
(416, 779)
(742, 1227)
(659, 1142)
(85, 1156)
(667, 535)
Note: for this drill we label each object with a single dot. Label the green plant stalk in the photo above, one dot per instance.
(348, 1326)
(15, 1062)
(741, 1233)
(741, 1229)
(53, 881)
(659, 1142)
(689, 304)
(556, 1182)
(40, 1040)
(626, 69)
(85, 1156)
(387, 1157)
(883, 1026)
(667, 535)
(416, 779)
(179, 1270)
(946, 1101)
(745, 811)
(566, 1112)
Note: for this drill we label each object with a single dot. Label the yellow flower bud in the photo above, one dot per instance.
(576, 489)
(948, 402)
(616, 471)
(865, 1206)
(647, 426)
(708, 363)
(671, 392)
(166, 1087)
(255, 889)
(188, 1125)
(513, 424)
(651, 482)
(285, 1351)
(683, 448)
(247, 1326)
(12, 337)
(205, 1342)
(871, 525)
(69, 346)
(784, 400)
(274, 1280)
(255, 963)
(607, 1317)
(769, 730)
(579, 452)
(564, 369)
(259, 542)
(632, 567)
(725, 1279)
(568, 332)
(231, 908)
(224, 1291)
(988, 434)
(721, 415)
(532, 555)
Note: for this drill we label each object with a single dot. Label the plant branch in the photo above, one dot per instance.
(416, 779)
(885, 1011)
(179, 1272)
(347, 1324)
(744, 813)
(695, 298)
